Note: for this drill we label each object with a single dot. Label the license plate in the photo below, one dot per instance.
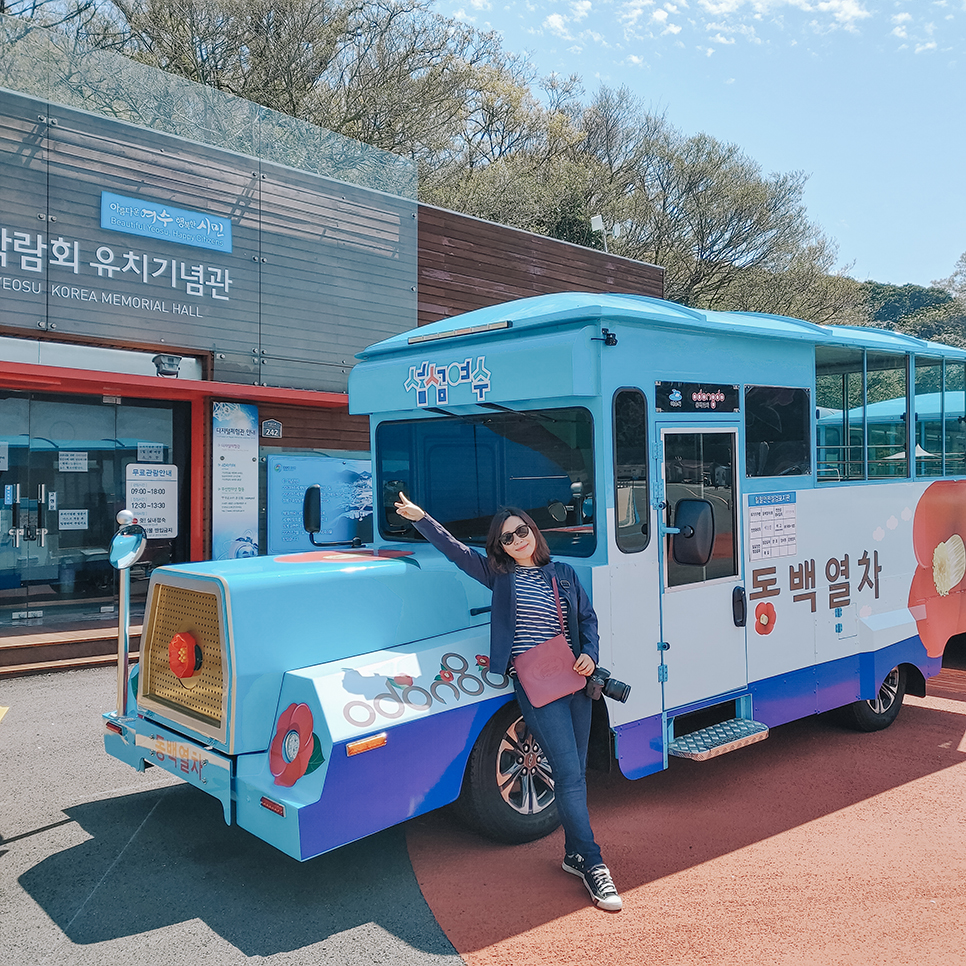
(202, 767)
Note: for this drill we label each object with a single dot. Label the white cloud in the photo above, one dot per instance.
(481, 4)
(631, 12)
(844, 11)
(922, 48)
(580, 9)
(902, 18)
(557, 24)
(635, 60)
(660, 16)
(721, 39)
(672, 28)
(900, 32)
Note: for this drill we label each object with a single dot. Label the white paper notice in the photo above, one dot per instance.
(71, 462)
(152, 496)
(72, 519)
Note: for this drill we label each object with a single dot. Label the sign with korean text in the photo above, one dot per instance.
(71, 462)
(156, 219)
(346, 492)
(152, 496)
(234, 480)
(72, 519)
(695, 397)
(772, 525)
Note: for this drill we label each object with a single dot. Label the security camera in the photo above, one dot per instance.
(167, 365)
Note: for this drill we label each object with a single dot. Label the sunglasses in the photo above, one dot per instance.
(522, 531)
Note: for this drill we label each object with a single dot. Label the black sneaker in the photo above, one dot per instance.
(597, 880)
(574, 864)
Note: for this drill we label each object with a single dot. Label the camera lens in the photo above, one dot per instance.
(617, 690)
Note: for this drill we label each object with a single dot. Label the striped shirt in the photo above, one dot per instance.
(537, 619)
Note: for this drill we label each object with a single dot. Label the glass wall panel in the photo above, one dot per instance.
(955, 419)
(839, 398)
(929, 418)
(888, 383)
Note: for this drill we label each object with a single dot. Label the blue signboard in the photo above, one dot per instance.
(155, 219)
(346, 486)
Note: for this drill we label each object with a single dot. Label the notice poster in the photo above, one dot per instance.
(152, 496)
(234, 481)
(346, 491)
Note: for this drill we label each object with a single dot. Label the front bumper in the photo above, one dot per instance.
(138, 742)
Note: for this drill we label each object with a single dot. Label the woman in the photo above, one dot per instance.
(517, 569)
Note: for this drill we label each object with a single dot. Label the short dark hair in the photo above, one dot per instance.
(499, 559)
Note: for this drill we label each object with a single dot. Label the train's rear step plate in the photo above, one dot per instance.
(717, 740)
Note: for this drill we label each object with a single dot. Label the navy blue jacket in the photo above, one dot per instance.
(503, 614)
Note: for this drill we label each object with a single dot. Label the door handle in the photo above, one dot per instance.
(41, 513)
(15, 531)
(739, 606)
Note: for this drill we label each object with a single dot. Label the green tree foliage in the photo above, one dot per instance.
(494, 141)
(936, 312)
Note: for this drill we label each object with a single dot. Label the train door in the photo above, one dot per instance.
(702, 596)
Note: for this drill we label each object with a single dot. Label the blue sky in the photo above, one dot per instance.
(868, 97)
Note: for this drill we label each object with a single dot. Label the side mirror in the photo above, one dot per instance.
(312, 509)
(557, 511)
(695, 521)
(127, 546)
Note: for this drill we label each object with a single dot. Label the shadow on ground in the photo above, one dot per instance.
(163, 857)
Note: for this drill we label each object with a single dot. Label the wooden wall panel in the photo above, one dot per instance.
(466, 264)
(304, 428)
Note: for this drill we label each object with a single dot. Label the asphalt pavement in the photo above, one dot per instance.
(99, 864)
(818, 847)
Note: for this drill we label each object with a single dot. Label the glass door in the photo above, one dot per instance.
(64, 468)
(706, 653)
(14, 480)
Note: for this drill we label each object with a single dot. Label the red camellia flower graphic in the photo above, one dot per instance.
(936, 595)
(482, 661)
(765, 617)
(292, 745)
(446, 674)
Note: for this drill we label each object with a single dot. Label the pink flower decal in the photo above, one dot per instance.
(482, 661)
(765, 617)
(937, 592)
(292, 746)
(446, 675)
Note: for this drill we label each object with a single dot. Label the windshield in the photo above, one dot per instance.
(462, 470)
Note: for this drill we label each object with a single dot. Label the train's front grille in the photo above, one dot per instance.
(177, 610)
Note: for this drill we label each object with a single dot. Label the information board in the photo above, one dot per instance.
(346, 486)
(152, 496)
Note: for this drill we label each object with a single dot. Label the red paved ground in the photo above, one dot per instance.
(818, 846)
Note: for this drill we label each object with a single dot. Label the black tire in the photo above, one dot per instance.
(884, 709)
(508, 787)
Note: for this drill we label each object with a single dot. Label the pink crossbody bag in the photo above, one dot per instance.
(547, 670)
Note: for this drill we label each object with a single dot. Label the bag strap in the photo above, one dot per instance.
(556, 597)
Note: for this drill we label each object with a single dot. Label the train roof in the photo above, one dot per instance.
(549, 311)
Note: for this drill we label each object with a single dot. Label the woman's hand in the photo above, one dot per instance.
(409, 511)
(585, 665)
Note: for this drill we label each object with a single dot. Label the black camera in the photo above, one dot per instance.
(601, 683)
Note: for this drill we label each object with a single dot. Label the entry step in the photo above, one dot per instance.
(717, 740)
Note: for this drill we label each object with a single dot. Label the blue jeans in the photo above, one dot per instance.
(563, 730)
